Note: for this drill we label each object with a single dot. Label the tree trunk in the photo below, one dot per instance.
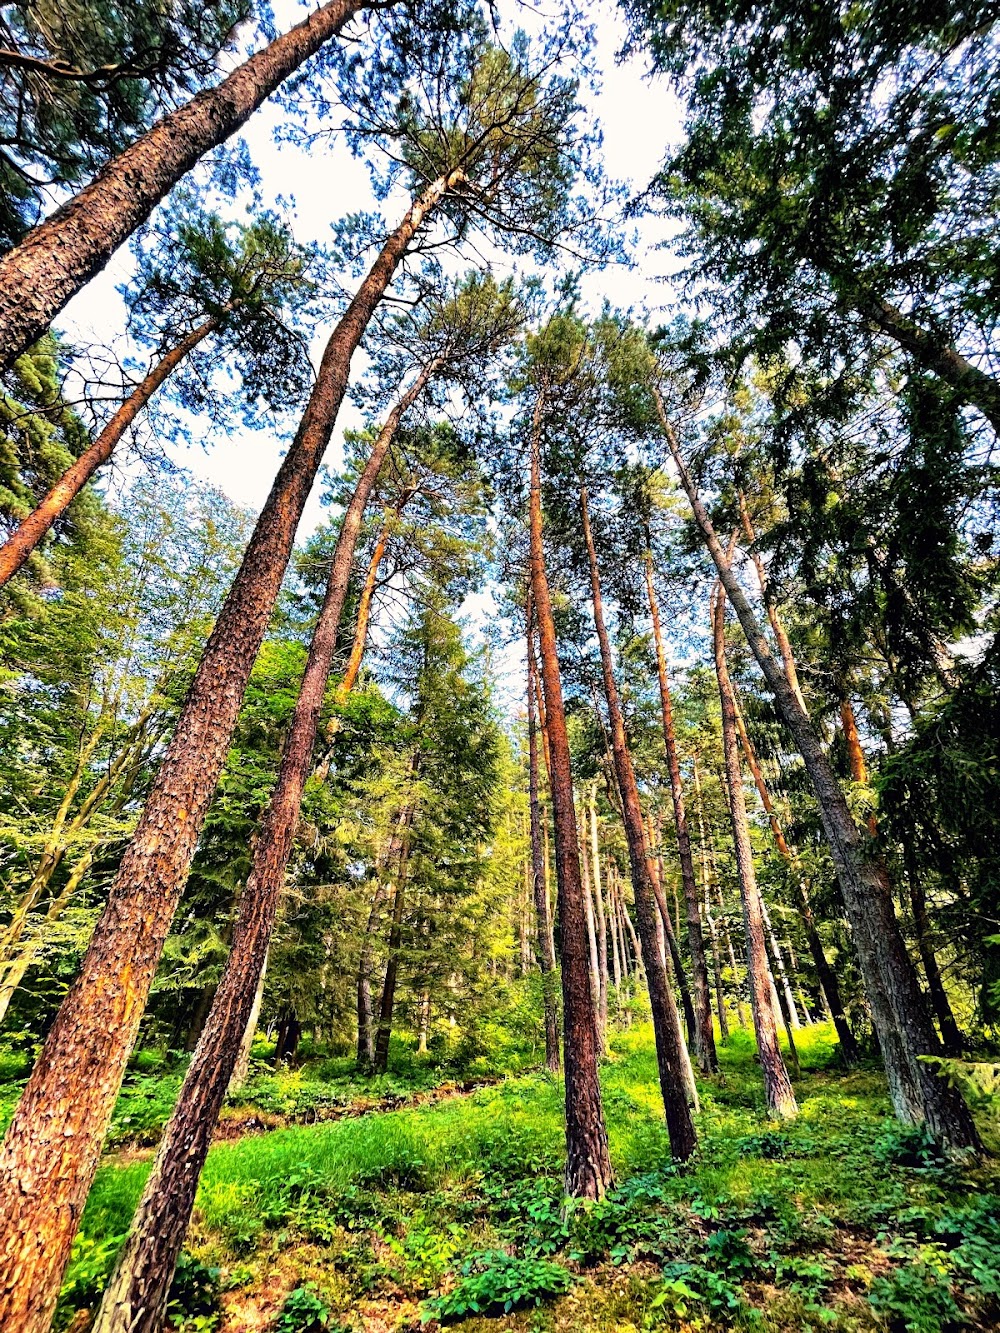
(779, 963)
(976, 387)
(546, 952)
(666, 1022)
(777, 1087)
(720, 999)
(364, 611)
(588, 904)
(52, 1146)
(829, 985)
(241, 1068)
(919, 1093)
(138, 1292)
(951, 1037)
(602, 925)
(39, 275)
(23, 540)
(708, 1060)
(392, 856)
(588, 1165)
(380, 1063)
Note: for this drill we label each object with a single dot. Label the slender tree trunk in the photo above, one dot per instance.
(588, 1165)
(918, 1091)
(675, 956)
(546, 952)
(602, 925)
(616, 953)
(666, 1022)
(708, 1061)
(23, 540)
(52, 1146)
(951, 1037)
(40, 274)
(137, 1294)
(380, 1064)
(777, 1087)
(829, 984)
(720, 999)
(22, 961)
(779, 963)
(241, 1068)
(392, 855)
(364, 610)
(588, 900)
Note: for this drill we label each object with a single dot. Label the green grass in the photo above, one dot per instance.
(839, 1219)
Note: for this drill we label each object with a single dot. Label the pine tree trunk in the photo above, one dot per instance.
(951, 1037)
(392, 856)
(666, 1022)
(777, 1087)
(602, 925)
(588, 1164)
(829, 985)
(26, 536)
(675, 954)
(546, 952)
(779, 962)
(588, 903)
(708, 1060)
(138, 1291)
(364, 612)
(52, 1146)
(40, 274)
(919, 1093)
(383, 1032)
(720, 999)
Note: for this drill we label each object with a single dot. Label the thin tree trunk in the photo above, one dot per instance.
(546, 952)
(15, 973)
(364, 611)
(666, 1022)
(52, 1146)
(708, 1060)
(380, 1064)
(779, 962)
(588, 1165)
(241, 1068)
(23, 540)
(393, 853)
(616, 955)
(918, 1091)
(951, 1037)
(777, 1087)
(588, 900)
(829, 984)
(602, 925)
(40, 274)
(675, 954)
(720, 999)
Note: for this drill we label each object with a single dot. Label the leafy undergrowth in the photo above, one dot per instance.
(319, 1089)
(840, 1219)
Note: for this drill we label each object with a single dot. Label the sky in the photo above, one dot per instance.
(639, 117)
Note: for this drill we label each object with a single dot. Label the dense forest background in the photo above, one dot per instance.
(499, 656)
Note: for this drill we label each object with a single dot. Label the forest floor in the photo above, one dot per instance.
(453, 1210)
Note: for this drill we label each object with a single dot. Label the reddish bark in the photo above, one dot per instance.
(588, 1165)
(666, 1023)
(39, 275)
(52, 1146)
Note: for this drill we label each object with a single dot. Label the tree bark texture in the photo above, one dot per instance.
(829, 984)
(666, 1022)
(546, 953)
(777, 1086)
(588, 1164)
(708, 1060)
(919, 1093)
(52, 1146)
(64, 252)
(602, 925)
(137, 1295)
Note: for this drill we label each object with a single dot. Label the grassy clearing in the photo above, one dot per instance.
(839, 1220)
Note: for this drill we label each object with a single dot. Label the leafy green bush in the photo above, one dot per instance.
(193, 1304)
(493, 1281)
(916, 1297)
(304, 1312)
(908, 1145)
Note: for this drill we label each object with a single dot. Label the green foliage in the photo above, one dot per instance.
(303, 1312)
(494, 1282)
(193, 1303)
